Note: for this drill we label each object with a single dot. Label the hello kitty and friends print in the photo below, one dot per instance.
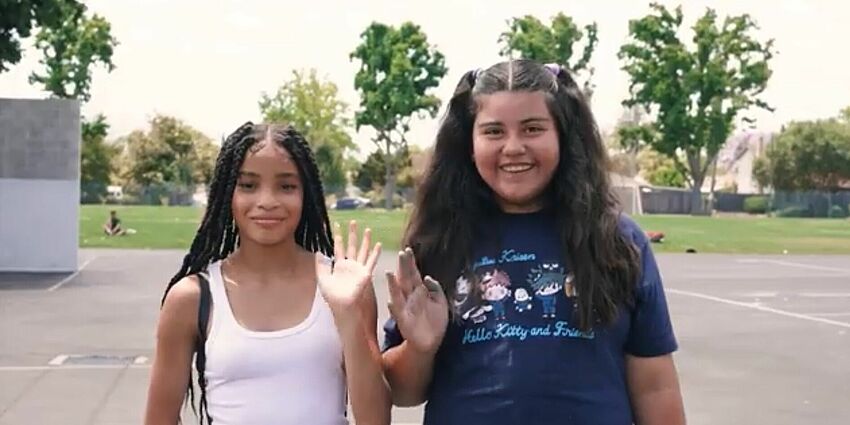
(535, 300)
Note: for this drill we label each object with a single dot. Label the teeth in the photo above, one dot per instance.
(518, 168)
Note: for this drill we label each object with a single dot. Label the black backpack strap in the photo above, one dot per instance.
(204, 306)
(203, 310)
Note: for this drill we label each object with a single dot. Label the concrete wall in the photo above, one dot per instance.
(39, 185)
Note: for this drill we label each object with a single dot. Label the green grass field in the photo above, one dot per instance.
(174, 227)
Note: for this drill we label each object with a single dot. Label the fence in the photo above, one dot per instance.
(159, 194)
(666, 200)
(633, 200)
(792, 204)
(811, 204)
(730, 202)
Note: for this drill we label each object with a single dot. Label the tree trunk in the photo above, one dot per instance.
(389, 187)
(697, 206)
(634, 168)
(697, 179)
(389, 176)
(696, 201)
(713, 182)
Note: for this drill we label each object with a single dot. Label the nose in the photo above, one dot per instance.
(267, 200)
(514, 145)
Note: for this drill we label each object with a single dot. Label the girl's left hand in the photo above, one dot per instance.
(344, 284)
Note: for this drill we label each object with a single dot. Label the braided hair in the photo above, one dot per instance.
(217, 236)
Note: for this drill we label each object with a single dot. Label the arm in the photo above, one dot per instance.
(172, 364)
(420, 310)
(347, 288)
(650, 372)
(654, 390)
(370, 398)
(409, 374)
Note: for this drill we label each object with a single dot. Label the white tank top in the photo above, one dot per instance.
(289, 376)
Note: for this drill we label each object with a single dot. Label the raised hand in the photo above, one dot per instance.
(344, 284)
(419, 306)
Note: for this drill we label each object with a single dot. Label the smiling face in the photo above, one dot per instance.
(268, 197)
(521, 295)
(495, 293)
(549, 289)
(515, 147)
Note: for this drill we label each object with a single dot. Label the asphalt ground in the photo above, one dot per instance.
(763, 339)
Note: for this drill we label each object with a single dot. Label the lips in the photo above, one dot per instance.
(515, 168)
(267, 221)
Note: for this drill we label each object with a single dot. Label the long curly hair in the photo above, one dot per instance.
(453, 197)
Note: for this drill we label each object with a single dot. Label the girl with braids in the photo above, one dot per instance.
(517, 188)
(290, 338)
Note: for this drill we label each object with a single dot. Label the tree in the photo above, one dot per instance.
(71, 49)
(312, 106)
(19, 17)
(398, 67)
(659, 170)
(845, 115)
(96, 163)
(170, 152)
(372, 172)
(529, 38)
(631, 135)
(696, 94)
(370, 175)
(633, 132)
(811, 155)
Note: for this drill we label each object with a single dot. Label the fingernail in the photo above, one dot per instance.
(431, 284)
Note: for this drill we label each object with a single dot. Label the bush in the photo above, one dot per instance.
(794, 212)
(756, 204)
(837, 212)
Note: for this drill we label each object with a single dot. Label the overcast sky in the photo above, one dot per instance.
(207, 62)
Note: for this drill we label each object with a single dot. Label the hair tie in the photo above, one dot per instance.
(554, 68)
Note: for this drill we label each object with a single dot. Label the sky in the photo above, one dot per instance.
(208, 61)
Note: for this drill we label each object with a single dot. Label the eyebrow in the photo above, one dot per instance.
(525, 121)
(252, 174)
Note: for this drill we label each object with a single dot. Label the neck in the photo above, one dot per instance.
(508, 208)
(267, 261)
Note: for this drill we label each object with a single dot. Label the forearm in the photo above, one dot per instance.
(409, 374)
(654, 390)
(661, 407)
(368, 392)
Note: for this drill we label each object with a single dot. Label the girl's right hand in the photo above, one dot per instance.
(419, 307)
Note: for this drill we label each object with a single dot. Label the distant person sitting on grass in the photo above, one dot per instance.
(112, 227)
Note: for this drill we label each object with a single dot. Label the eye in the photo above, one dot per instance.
(246, 186)
(289, 187)
(534, 129)
(493, 131)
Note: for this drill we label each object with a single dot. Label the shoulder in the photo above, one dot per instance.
(632, 231)
(185, 293)
(181, 302)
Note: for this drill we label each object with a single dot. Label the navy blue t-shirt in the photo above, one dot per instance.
(517, 356)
